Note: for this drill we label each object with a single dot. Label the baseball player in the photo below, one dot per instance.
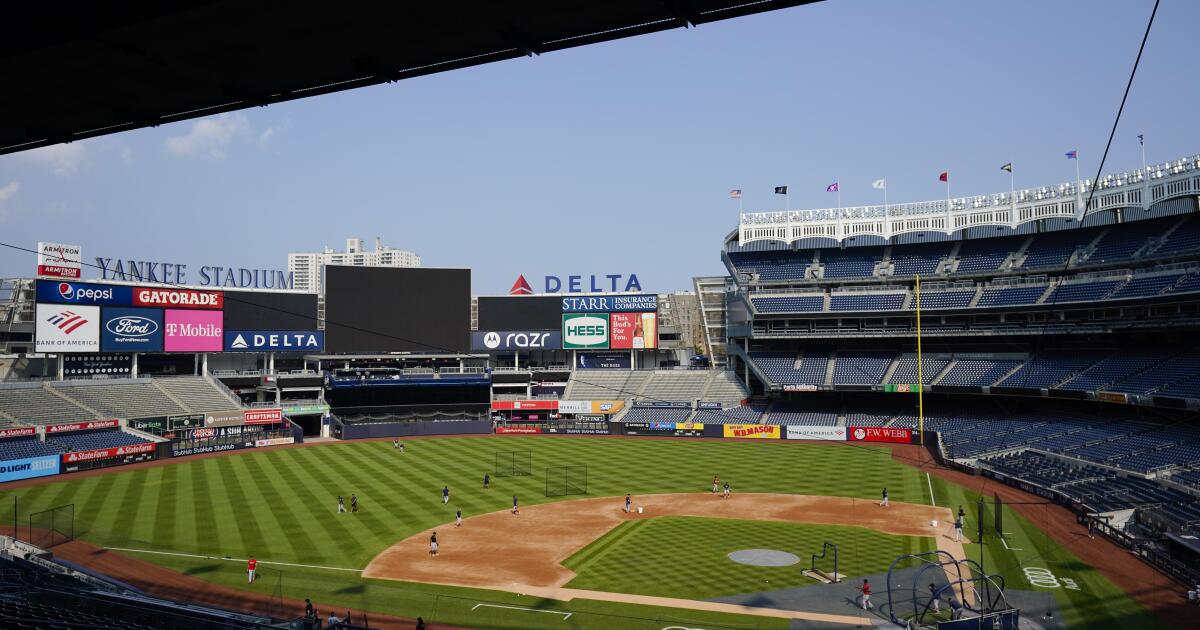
(487, 481)
(341, 505)
(628, 501)
(716, 483)
(958, 525)
(726, 495)
(354, 503)
(933, 598)
(396, 444)
(515, 510)
(458, 518)
(433, 544)
(866, 595)
(251, 566)
(445, 494)
(884, 502)
(402, 448)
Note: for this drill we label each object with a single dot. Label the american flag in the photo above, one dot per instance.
(736, 193)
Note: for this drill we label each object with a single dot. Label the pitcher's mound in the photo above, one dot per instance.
(764, 557)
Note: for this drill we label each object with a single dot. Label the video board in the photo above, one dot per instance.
(385, 309)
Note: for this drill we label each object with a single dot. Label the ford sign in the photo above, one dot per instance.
(132, 326)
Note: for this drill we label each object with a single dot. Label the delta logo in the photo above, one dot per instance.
(521, 287)
(67, 321)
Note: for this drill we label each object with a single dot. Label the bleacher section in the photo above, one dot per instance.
(986, 254)
(675, 385)
(1049, 368)
(1011, 296)
(860, 367)
(21, 448)
(730, 415)
(979, 373)
(946, 299)
(197, 393)
(923, 259)
(656, 414)
(906, 369)
(88, 440)
(1111, 369)
(790, 304)
(850, 263)
(36, 402)
(724, 387)
(70, 401)
(866, 301)
(783, 413)
(1081, 291)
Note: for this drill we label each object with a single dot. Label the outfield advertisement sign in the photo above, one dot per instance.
(63, 328)
(755, 431)
(591, 407)
(664, 429)
(179, 450)
(131, 330)
(193, 331)
(633, 331)
(603, 361)
(17, 432)
(178, 298)
(262, 416)
(223, 419)
(610, 304)
(274, 441)
(837, 434)
(518, 430)
(28, 468)
(82, 426)
(585, 331)
(274, 341)
(83, 293)
(496, 340)
(106, 453)
(150, 425)
(524, 405)
(56, 260)
(879, 434)
(185, 421)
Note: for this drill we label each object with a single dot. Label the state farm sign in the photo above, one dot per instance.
(105, 453)
(879, 434)
(18, 432)
(82, 426)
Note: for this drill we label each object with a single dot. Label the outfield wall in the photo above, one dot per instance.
(362, 430)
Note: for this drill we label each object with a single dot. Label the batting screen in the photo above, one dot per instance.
(513, 464)
(564, 480)
(999, 506)
(52, 527)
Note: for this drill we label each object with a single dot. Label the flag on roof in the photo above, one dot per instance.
(879, 183)
(1007, 167)
(736, 193)
(1073, 155)
(1142, 139)
(781, 190)
(944, 177)
(832, 187)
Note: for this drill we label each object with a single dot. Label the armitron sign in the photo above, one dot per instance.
(56, 260)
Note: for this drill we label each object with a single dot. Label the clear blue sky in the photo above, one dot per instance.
(618, 157)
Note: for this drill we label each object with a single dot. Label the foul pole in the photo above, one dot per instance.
(920, 373)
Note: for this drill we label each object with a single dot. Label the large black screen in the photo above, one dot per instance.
(246, 310)
(520, 312)
(384, 309)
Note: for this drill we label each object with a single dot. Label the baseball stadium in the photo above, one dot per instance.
(969, 412)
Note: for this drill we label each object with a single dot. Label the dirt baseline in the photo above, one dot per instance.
(523, 553)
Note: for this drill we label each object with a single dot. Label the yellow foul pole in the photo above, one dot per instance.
(920, 372)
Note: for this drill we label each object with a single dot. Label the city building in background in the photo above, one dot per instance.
(306, 267)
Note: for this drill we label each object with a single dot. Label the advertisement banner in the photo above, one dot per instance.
(664, 429)
(575, 406)
(105, 453)
(633, 331)
(67, 328)
(274, 441)
(179, 450)
(274, 341)
(262, 416)
(29, 468)
(607, 407)
(757, 431)
(879, 434)
(17, 432)
(661, 404)
(223, 419)
(603, 361)
(524, 405)
(185, 421)
(610, 304)
(56, 260)
(901, 388)
(92, 364)
(837, 434)
(585, 330)
(486, 341)
(297, 410)
(1113, 397)
(150, 425)
(591, 407)
(83, 293)
(131, 330)
(518, 430)
(82, 426)
(799, 388)
(193, 331)
(689, 426)
(178, 298)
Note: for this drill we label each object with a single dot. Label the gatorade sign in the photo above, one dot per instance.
(585, 331)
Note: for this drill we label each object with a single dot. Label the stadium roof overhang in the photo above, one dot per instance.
(79, 71)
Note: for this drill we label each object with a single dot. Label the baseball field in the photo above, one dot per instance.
(573, 561)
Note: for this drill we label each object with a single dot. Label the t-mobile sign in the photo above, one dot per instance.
(193, 331)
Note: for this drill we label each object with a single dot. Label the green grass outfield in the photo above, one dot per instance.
(686, 557)
(279, 506)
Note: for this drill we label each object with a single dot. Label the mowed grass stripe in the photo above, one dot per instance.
(89, 505)
(307, 522)
(246, 515)
(163, 535)
(279, 527)
(368, 494)
(319, 509)
(209, 537)
(140, 530)
(124, 504)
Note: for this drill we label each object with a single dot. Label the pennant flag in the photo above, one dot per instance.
(1072, 155)
(832, 187)
(1007, 167)
(944, 177)
(879, 183)
(1142, 139)
(781, 190)
(736, 193)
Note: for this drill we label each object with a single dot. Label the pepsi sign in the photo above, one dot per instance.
(63, 292)
(131, 330)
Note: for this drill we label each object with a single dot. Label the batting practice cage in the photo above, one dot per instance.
(513, 464)
(52, 527)
(564, 480)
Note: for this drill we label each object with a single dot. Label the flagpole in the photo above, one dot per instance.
(1079, 188)
(920, 369)
(838, 181)
(1142, 141)
(885, 204)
